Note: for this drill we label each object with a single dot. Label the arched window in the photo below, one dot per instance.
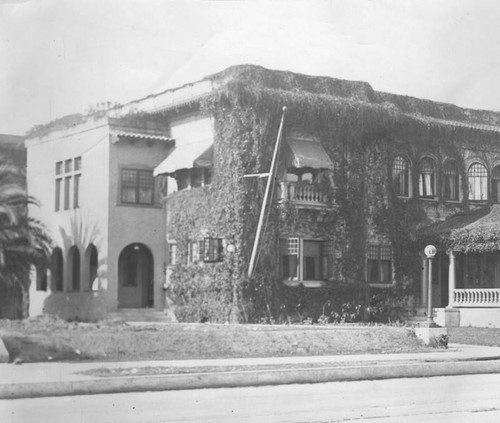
(427, 179)
(495, 184)
(57, 269)
(74, 268)
(477, 178)
(451, 182)
(401, 176)
(91, 265)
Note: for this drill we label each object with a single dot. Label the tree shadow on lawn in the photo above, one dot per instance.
(37, 349)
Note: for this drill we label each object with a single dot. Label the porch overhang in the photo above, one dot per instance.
(307, 151)
(186, 156)
(477, 231)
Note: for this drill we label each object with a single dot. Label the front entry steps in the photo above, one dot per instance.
(140, 315)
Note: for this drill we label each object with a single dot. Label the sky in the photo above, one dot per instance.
(64, 56)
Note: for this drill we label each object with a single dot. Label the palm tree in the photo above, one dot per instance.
(23, 242)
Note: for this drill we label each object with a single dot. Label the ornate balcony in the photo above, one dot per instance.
(302, 194)
(489, 297)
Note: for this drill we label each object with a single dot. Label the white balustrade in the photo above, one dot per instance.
(488, 297)
(302, 193)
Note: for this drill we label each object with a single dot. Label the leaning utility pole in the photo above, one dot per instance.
(270, 180)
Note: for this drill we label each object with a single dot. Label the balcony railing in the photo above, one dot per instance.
(489, 297)
(302, 194)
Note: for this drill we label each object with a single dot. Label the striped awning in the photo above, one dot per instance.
(307, 152)
(185, 156)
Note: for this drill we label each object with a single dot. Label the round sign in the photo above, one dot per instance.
(430, 251)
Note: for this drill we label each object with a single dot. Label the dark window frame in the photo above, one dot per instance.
(427, 188)
(137, 186)
(401, 176)
(294, 265)
(213, 250)
(378, 256)
(477, 172)
(451, 191)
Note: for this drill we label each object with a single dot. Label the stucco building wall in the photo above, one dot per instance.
(81, 226)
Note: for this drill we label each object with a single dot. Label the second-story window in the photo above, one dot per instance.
(477, 178)
(137, 186)
(495, 184)
(193, 178)
(427, 179)
(401, 176)
(451, 182)
(67, 184)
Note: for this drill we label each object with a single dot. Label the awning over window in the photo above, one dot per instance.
(186, 156)
(306, 151)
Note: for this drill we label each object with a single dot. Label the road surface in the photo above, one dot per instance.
(472, 398)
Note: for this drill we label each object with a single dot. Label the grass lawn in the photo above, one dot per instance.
(51, 339)
(475, 336)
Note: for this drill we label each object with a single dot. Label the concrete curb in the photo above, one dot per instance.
(110, 385)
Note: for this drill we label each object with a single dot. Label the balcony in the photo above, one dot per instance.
(302, 194)
(489, 297)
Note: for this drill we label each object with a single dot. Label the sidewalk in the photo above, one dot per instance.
(59, 379)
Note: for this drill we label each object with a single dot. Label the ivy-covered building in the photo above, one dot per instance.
(365, 179)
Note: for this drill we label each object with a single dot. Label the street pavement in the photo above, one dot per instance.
(32, 380)
(458, 399)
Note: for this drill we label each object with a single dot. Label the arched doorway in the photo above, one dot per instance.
(74, 268)
(91, 266)
(57, 269)
(135, 277)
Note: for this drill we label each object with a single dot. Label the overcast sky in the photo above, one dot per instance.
(62, 56)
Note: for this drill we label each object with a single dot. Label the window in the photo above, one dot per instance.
(172, 254)
(451, 182)
(427, 179)
(401, 177)
(67, 187)
(303, 260)
(495, 184)
(137, 186)
(68, 164)
(58, 194)
(213, 250)
(312, 261)
(379, 264)
(71, 170)
(76, 191)
(193, 178)
(208, 250)
(477, 178)
(290, 258)
(196, 251)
